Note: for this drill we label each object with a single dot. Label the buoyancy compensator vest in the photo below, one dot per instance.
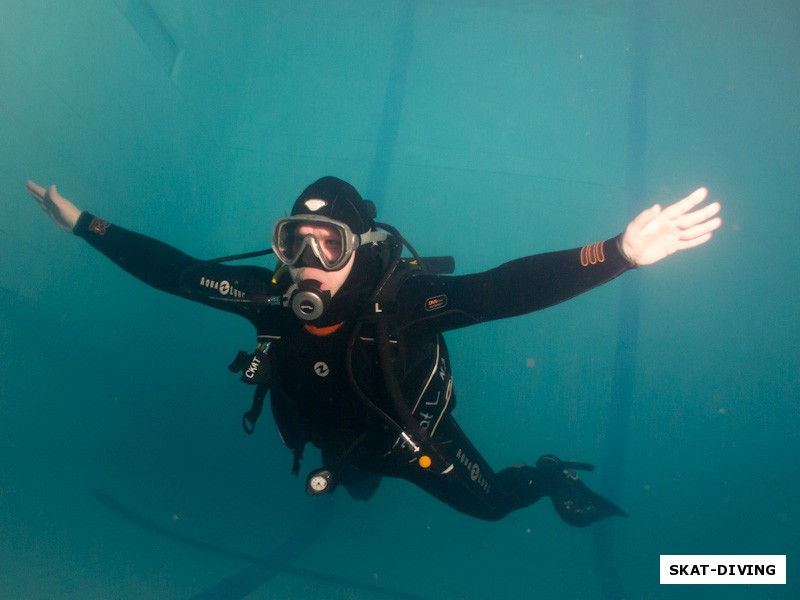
(257, 368)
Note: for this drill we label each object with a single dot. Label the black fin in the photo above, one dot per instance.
(574, 502)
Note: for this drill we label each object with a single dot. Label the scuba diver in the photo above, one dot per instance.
(350, 340)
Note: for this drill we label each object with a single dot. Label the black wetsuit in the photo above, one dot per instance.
(312, 397)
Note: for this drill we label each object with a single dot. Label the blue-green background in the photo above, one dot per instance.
(485, 129)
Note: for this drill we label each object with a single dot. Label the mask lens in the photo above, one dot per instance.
(327, 241)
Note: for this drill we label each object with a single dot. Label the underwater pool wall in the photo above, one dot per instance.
(481, 129)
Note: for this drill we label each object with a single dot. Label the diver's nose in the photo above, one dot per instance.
(309, 259)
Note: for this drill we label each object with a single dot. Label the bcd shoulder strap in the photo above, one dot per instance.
(256, 369)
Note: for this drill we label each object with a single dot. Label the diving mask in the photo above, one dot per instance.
(331, 242)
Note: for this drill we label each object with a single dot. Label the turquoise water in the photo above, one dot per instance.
(485, 130)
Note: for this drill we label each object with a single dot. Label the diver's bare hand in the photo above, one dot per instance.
(58, 208)
(656, 233)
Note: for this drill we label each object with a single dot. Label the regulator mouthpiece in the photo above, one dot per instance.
(308, 301)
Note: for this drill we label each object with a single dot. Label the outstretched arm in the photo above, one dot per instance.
(62, 211)
(656, 233)
(147, 259)
(536, 282)
(156, 263)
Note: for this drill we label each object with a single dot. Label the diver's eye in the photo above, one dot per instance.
(332, 247)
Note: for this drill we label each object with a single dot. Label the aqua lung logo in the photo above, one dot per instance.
(224, 287)
(307, 307)
(474, 471)
(322, 369)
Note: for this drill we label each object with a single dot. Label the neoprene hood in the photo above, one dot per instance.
(341, 201)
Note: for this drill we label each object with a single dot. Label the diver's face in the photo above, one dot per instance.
(331, 245)
(329, 241)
